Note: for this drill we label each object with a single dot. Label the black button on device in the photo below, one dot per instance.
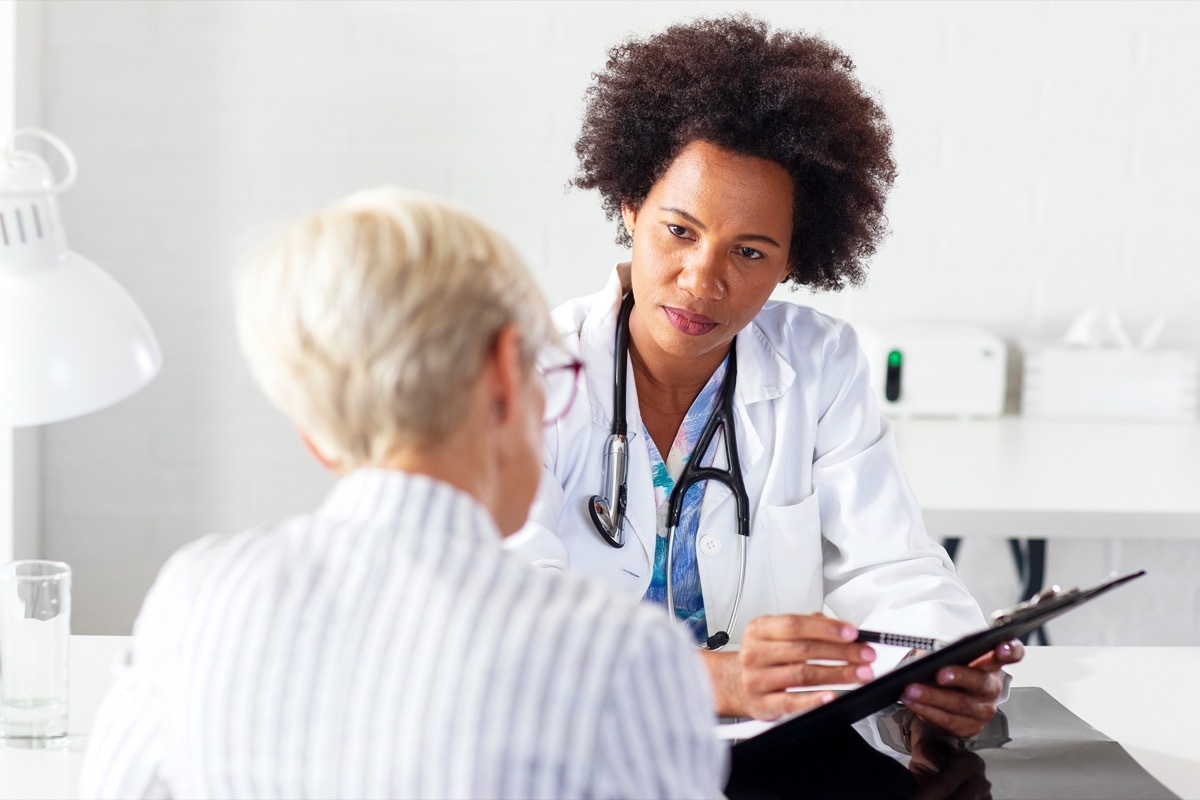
(891, 389)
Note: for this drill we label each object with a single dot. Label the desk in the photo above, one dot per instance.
(53, 774)
(1016, 477)
(1154, 721)
(1143, 697)
(1033, 480)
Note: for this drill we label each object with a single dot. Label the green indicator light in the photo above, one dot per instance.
(894, 358)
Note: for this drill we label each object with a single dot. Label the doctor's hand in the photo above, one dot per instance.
(961, 700)
(776, 654)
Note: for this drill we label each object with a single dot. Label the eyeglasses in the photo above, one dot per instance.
(559, 384)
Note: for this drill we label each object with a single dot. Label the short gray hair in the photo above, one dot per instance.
(368, 322)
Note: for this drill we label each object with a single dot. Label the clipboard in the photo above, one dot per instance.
(878, 694)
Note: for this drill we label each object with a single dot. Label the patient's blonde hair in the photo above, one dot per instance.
(367, 323)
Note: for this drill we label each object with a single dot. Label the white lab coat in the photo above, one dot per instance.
(834, 526)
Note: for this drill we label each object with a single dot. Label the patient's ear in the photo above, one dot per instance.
(505, 373)
(317, 454)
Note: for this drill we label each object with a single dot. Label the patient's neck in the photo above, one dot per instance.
(462, 461)
(444, 462)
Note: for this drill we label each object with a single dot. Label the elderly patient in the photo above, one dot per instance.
(385, 645)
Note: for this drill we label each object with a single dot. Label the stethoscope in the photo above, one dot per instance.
(608, 510)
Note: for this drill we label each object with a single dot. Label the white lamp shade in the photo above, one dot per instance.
(72, 340)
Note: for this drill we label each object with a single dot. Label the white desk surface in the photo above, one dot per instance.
(1032, 478)
(1143, 697)
(54, 773)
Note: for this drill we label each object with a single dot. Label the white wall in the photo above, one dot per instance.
(1047, 155)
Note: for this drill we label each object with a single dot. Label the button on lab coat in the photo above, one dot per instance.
(834, 526)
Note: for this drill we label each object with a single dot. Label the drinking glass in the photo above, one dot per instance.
(35, 634)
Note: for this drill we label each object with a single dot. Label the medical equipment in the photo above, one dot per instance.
(936, 370)
(608, 511)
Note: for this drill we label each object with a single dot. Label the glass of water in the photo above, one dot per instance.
(35, 634)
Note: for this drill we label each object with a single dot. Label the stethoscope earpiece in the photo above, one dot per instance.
(717, 641)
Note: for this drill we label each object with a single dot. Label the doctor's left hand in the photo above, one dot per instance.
(961, 700)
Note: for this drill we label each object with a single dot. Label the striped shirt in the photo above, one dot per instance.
(386, 646)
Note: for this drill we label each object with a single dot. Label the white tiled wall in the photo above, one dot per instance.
(1048, 163)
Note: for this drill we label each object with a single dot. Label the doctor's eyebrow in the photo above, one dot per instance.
(749, 237)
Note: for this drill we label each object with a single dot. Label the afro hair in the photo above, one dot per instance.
(787, 97)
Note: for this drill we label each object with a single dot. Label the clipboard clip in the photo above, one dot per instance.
(1044, 600)
(1043, 604)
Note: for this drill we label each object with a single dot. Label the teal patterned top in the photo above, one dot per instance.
(689, 598)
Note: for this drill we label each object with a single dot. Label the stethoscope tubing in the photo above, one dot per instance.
(720, 418)
(621, 367)
(608, 512)
(721, 638)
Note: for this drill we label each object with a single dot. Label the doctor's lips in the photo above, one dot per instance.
(689, 323)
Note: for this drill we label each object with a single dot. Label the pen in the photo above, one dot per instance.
(899, 640)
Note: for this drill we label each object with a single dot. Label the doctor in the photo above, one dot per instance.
(736, 159)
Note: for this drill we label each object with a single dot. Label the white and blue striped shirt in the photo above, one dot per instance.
(386, 646)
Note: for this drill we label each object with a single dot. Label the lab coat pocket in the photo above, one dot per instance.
(793, 535)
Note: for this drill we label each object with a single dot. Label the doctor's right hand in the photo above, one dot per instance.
(776, 654)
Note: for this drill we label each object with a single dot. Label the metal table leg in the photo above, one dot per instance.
(1034, 574)
(951, 544)
(1029, 555)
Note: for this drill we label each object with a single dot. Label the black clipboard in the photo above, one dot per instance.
(878, 694)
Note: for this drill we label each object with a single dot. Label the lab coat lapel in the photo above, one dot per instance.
(762, 375)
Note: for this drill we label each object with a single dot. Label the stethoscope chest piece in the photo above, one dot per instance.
(602, 518)
(608, 511)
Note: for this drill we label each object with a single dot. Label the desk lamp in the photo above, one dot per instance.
(72, 340)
